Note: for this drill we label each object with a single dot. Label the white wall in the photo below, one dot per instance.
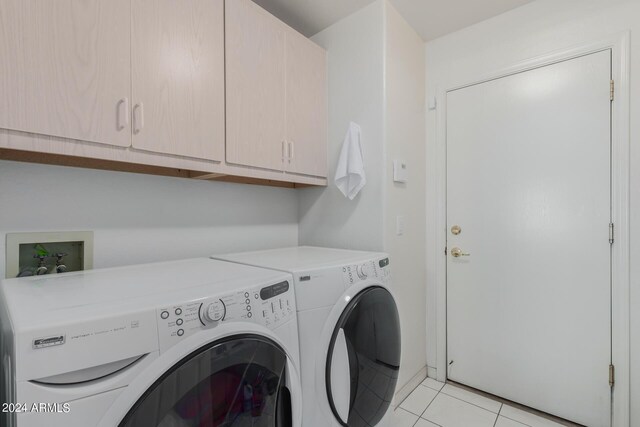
(143, 218)
(404, 139)
(538, 28)
(356, 93)
(376, 79)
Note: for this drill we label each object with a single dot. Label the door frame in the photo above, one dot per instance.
(619, 44)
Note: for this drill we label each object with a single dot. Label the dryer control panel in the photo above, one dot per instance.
(374, 269)
(269, 306)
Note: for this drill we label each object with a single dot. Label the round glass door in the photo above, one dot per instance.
(236, 382)
(364, 359)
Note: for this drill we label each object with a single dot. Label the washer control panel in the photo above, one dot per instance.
(375, 269)
(268, 306)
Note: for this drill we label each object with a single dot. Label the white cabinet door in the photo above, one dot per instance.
(255, 77)
(178, 77)
(528, 183)
(65, 68)
(306, 106)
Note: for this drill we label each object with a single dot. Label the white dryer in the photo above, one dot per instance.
(187, 343)
(349, 332)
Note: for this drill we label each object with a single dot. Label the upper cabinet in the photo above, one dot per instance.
(276, 94)
(177, 59)
(206, 89)
(255, 63)
(65, 69)
(306, 106)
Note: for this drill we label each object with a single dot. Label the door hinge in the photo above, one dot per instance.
(611, 229)
(445, 251)
(612, 375)
(613, 89)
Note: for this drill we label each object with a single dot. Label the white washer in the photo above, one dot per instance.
(349, 332)
(193, 342)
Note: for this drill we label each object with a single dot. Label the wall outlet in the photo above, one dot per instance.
(400, 171)
(29, 254)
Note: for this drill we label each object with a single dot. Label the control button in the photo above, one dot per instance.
(246, 294)
(256, 296)
(178, 311)
(248, 308)
(179, 322)
(249, 315)
(180, 332)
(248, 301)
(164, 314)
(215, 311)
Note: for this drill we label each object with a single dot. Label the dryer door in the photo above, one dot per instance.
(364, 359)
(235, 382)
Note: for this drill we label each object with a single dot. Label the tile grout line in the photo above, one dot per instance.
(516, 421)
(531, 411)
(438, 392)
(462, 400)
(409, 412)
(498, 415)
(504, 416)
(403, 400)
(405, 409)
(453, 397)
(425, 409)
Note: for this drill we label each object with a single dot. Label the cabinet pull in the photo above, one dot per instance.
(138, 118)
(290, 151)
(123, 113)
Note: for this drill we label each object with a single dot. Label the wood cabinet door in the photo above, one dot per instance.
(255, 77)
(65, 69)
(178, 77)
(306, 90)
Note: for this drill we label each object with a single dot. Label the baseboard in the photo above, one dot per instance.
(409, 387)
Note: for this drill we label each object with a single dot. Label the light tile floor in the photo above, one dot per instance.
(435, 404)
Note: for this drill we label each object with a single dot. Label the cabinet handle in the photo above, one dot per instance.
(138, 118)
(123, 113)
(290, 151)
(284, 150)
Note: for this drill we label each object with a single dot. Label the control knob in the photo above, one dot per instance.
(214, 311)
(362, 271)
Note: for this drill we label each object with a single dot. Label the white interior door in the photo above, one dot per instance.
(528, 183)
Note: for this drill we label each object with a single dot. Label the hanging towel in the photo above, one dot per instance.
(350, 176)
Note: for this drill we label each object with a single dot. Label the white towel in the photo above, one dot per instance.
(350, 176)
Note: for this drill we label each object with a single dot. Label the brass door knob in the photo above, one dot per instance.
(457, 253)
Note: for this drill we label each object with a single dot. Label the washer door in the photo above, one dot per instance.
(364, 359)
(235, 382)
